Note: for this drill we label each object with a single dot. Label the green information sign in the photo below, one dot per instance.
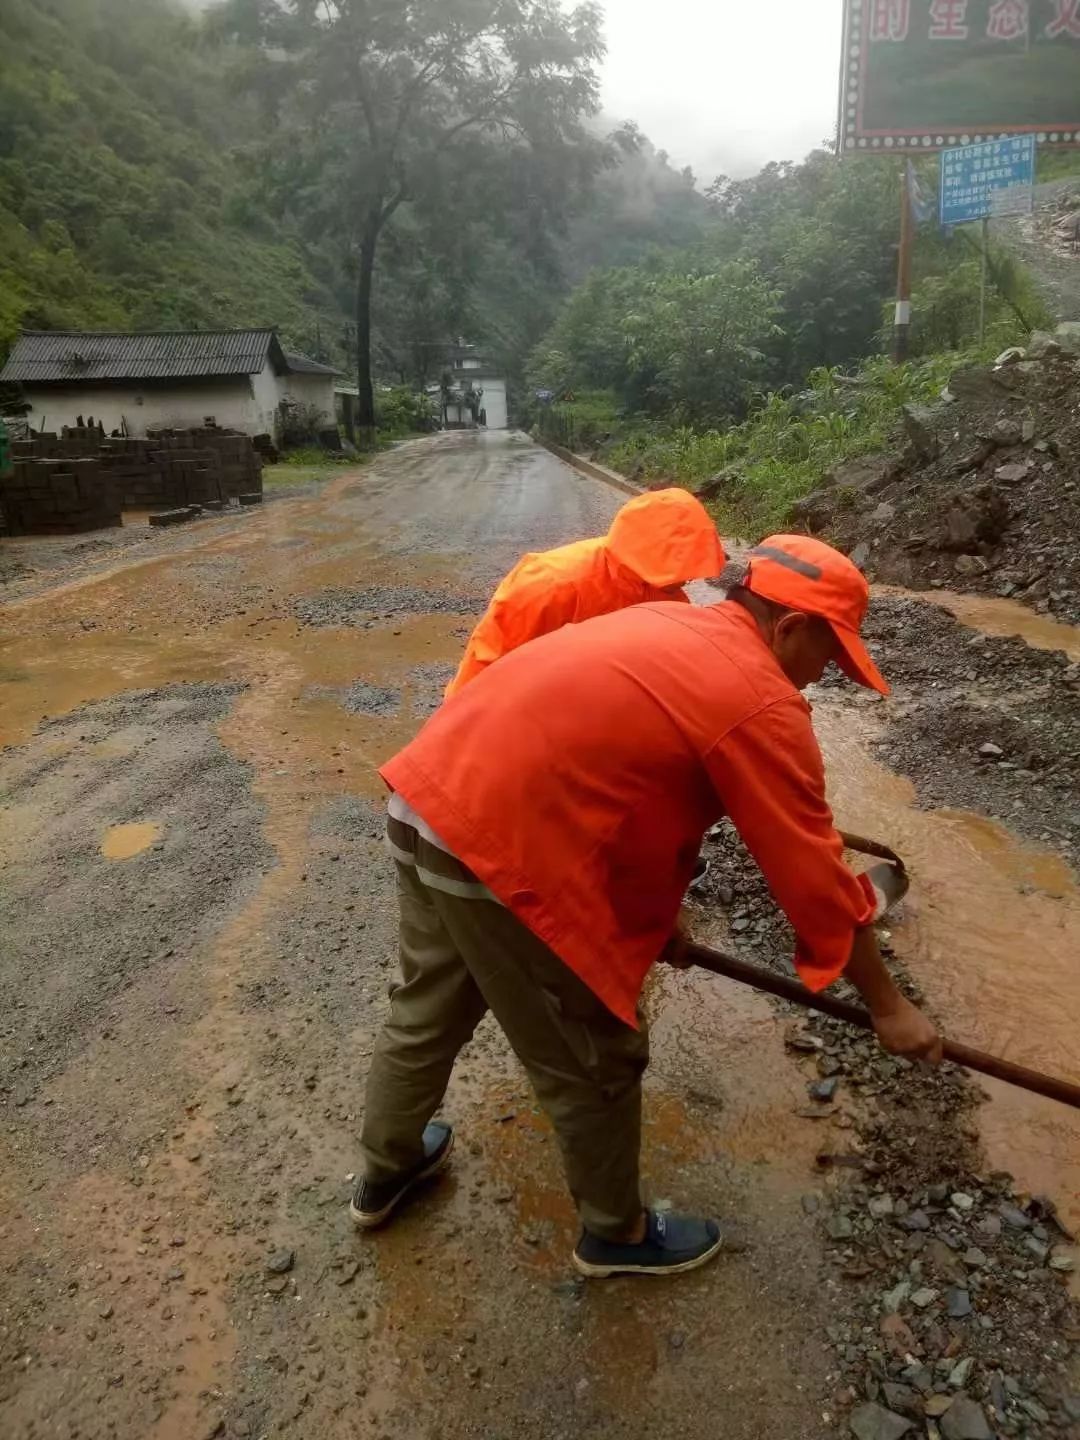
(926, 74)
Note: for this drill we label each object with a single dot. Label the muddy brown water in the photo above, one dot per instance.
(124, 842)
(991, 931)
(998, 617)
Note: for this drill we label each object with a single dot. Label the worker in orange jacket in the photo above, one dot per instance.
(544, 825)
(656, 543)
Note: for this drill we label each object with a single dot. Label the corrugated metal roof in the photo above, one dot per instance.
(299, 364)
(49, 356)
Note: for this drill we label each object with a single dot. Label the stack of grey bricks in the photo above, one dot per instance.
(96, 478)
(57, 496)
(240, 464)
(188, 476)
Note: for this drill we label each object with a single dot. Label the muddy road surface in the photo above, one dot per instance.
(197, 931)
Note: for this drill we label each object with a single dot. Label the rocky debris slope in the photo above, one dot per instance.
(953, 1319)
(985, 494)
(987, 724)
(1045, 242)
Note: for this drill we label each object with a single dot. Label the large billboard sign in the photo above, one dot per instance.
(926, 74)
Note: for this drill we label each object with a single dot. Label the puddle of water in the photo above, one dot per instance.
(64, 674)
(991, 931)
(994, 615)
(124, 842)
(718, 1043)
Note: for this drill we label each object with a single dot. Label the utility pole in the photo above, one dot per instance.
(902, 324)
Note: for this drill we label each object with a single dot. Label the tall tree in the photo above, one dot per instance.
(383, 100)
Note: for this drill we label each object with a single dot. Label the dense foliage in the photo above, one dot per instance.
(429, 169)
(145, 182)
(788, 273)
(753, 470)
(430, 107)
(670, 340)
(719, 361)
(124, 202)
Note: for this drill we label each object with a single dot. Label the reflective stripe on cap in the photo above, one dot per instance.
(790, 562)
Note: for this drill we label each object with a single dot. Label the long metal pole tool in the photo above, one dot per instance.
(717, 963)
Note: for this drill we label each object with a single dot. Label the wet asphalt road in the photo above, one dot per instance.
(198, 933)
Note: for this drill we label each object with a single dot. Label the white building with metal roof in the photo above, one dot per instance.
(135, 382)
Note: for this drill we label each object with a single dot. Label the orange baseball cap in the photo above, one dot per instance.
(806, 574)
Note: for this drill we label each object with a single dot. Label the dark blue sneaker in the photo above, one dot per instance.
(673, 1244)
(372, 1204)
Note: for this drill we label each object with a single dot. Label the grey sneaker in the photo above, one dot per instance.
(373, 1203)
(673, 1245)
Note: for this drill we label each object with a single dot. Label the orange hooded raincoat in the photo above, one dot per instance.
(657, 541)
(576, 785)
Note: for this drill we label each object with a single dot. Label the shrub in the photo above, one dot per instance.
(402, 411)
(783, 449)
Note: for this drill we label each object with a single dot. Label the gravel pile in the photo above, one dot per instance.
(360, 698)
(952, 1313)
(958, 1310)
(986, 495)
(427, 684)
(987, 724)
(132, 926)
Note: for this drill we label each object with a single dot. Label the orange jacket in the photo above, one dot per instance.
(656, 541)
(577, 782)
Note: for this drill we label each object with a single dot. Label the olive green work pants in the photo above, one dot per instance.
(462, 956)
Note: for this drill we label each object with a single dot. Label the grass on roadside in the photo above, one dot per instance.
(302, 467)
(308, 463)
(782, 451)
(778, 454)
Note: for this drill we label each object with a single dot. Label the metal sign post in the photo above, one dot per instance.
(902, 325)
(981, 181)
(982, 281)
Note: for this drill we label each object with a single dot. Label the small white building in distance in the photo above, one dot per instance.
(177, 379)
(466, 366)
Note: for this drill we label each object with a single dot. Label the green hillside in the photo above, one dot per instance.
(141, 186)
(124, 197)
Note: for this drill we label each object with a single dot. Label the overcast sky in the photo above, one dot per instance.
(723, 85)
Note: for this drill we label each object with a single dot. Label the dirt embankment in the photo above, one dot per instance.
(984, 495)
(1046, 242)
(982, 723)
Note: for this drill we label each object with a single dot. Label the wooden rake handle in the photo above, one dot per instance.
(717, 963)
(872, 847)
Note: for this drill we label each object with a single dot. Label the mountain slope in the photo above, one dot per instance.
(124, 200)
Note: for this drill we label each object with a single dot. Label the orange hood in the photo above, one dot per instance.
(666, 538)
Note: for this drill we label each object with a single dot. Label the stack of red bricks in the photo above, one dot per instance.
(57, 497)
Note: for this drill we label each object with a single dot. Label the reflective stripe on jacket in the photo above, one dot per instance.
(577, 781)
